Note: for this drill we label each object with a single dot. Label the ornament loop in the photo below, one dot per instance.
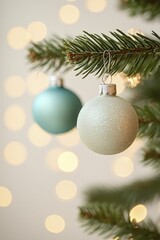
(106, 77)
(106, 68)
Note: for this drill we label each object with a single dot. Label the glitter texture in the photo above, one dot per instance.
(107, 124)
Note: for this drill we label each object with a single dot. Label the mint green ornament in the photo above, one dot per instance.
(56, 109)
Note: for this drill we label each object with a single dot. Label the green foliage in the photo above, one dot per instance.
(90, 52)
(106, 209)
(48, 55)
(131, 54)
(140, 191)
(149, 119)
(149, 8)
(99, 199)
(152, 154)
(147, 90)
(112, 221)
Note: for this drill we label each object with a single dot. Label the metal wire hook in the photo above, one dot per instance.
(106, 68)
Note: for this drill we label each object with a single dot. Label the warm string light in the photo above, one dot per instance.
(134, 31)
(67, 161)
(5, 197)
(14, 117)
(123, 167)
(96, 6)
(69, 139)
(15, 153)
(138, 213)
(14, 86)
(38, 137)
(55, 223)
(69, 14)
(18, 37)
(52, 158)
(33, 78)
(37, 31)
(66, 189)
(131, 81)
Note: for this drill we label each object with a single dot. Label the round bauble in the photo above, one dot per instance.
(56, 109)
(107, 124)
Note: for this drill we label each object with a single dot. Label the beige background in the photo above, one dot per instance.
(33, 183)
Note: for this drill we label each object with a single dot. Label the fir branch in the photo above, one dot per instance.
(151, 154)
(149, 8)
(147, 90)
(149, 120)
(48, 55)
(112, 221)
(129, 53)
(141, 191)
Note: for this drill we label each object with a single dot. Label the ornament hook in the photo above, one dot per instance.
(106, 67)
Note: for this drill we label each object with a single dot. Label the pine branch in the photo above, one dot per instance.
(152, 154)
(149, 120)
(112, 221)
(129, 53)
(48, 55)
(146, 96)
(149, 8)
(147, 90)
(141, 191)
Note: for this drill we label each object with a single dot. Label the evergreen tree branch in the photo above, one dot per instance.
(149, 120)
(141, 191)
(146, 96)
(113, 221)
(147, 90)
(152, 154)
(131, 54)
(48, 55)
(149, 8)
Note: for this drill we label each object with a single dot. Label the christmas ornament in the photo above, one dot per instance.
(56, 109)
(107, 124)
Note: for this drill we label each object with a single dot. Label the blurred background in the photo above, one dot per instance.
(39, 191)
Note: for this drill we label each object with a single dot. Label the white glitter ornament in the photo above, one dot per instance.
(107, 124)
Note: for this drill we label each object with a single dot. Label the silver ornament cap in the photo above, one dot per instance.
(56, 81)
(107, 89)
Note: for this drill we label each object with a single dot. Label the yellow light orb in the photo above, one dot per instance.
(69, 14)
(123, 167)
(14, 86)
(134, 31)
(14, 117)
(134, 81)
(18, 37)
(131, 81)
(69, 139)
(36, 82)
(139, 212)
(37, 30)
(38, 137)
(68, 161)
(66, 189)
(54, 223)
(96, 6)
(15, 153)
(52, 158)
(5, 197)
